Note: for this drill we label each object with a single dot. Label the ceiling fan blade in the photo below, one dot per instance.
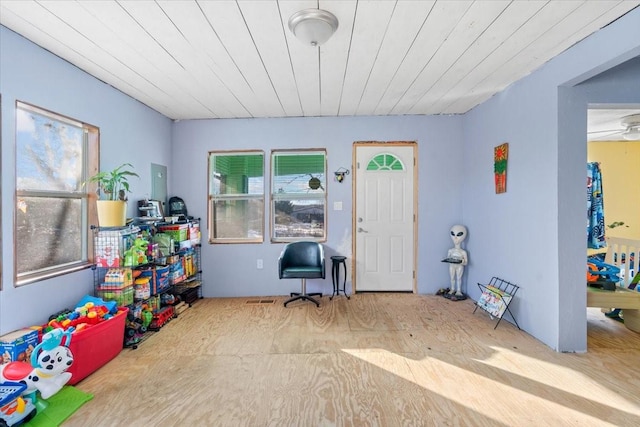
(606, 131)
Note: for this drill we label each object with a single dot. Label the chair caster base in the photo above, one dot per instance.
(308, 297)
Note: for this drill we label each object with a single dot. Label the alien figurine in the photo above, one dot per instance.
(457, 258)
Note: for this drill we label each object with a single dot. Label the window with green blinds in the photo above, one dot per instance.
(298, 194)
(236, 197)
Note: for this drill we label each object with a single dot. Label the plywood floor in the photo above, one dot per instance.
(376, 360)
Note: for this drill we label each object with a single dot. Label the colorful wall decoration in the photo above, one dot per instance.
(500, 156)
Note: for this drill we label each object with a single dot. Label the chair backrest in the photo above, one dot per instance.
(302, 254)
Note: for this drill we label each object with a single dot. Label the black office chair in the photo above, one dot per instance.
(302, 260)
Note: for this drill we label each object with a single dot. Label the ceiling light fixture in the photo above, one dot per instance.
(313, 26)
(632, 123)
(632, 134)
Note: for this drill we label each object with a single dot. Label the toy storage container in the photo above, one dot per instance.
(179, 232)
(159, 278)
(122, 297)
(114, 278)
(162, 279)
(93, 347)
(194, 233)
(176, 273)
(110, 246)
(142, 288)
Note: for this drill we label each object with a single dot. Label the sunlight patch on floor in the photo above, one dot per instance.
(448, 380)
(554, 375)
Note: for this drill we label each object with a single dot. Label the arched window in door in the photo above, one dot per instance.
(385, 162)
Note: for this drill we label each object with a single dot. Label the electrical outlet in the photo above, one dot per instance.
(259, 264)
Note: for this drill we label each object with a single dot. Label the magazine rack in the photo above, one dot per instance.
(496, 297)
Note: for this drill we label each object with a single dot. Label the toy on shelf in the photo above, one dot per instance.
(117, 278)
(147, 316)
(137, 254)
(134, 329)
(602, 275)
(169, 299)
(162, 317)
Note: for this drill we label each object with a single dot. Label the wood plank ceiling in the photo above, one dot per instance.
(237, 58)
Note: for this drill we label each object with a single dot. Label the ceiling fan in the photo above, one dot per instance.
(629, 129)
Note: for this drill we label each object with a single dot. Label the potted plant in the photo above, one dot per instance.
(113, 187)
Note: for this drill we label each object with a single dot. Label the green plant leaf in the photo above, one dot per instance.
(112, 185)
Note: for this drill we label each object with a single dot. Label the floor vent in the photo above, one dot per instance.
(260, 301)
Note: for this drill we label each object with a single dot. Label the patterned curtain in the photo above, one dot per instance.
(595, 207)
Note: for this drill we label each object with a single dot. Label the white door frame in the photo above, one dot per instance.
(354, 225)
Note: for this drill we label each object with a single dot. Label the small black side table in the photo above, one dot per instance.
(336, 261)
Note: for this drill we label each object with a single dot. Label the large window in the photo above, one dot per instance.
(54, 156)
(236, 197)
(298, 195)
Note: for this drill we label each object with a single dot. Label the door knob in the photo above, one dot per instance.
(361, 230)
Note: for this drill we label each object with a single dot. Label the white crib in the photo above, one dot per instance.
(624, 254)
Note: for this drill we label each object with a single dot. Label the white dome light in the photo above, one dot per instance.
(313, 27)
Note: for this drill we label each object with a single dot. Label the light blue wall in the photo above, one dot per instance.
(534, 235)
(129, 131)
(230, 270)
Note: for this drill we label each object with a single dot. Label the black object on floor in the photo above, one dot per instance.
(453, 297)
(615, 315)
(336, 262)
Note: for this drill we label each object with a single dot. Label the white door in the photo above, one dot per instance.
(384, 217)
